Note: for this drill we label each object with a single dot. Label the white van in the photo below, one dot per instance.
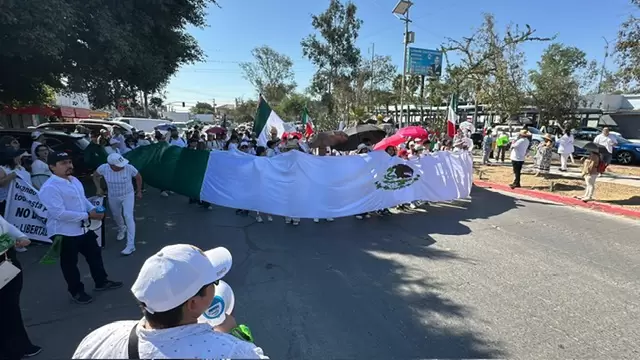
(146, 125)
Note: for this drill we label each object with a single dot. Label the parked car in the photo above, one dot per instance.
(126, 128)
(71, 127)
(73, 144)
(625, 153)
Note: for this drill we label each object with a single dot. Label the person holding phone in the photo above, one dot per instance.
(69, 212)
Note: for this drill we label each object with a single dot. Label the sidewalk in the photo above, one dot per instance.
(574, 173)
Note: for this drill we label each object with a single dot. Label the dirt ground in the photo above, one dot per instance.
(615, 194)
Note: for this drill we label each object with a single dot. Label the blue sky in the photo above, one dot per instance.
(241, 25)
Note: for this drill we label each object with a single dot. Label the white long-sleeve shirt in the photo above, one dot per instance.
(9, 229)
(67, 206)
(519, 149)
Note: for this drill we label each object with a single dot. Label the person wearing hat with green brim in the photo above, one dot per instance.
(69, 215)
(174, 287)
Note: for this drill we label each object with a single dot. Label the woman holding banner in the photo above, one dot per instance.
(10, 168)
(15, 342)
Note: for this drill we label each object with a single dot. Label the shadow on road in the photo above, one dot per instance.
(345, 289)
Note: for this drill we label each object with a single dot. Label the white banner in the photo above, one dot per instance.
(25, 211)
(301, 185)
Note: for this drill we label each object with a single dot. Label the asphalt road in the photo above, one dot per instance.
(491, 277)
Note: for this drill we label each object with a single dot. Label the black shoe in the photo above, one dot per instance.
(109, 285)
(31, 351)
(82, 298)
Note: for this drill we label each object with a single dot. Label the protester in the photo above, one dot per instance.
(502, 142)
(360, 150)
(141, 139)
(608, 141)
(10, 168)
(14, 342)
(40, 171)
(175, 139)
(174, 288)
(487, 147)
(38, 139)
(114, 146)
(590, 167)
(565, 148)
(69, 214)
(291, 144)
(117, 174)
(519, 150)
(542, 163)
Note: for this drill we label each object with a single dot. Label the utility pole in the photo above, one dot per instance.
(604, 63)
(373, 73)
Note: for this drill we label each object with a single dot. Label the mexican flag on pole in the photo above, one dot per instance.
(306, 121)
(265, 120)
(452, 116)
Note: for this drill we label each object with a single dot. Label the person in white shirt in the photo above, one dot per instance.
(114, 146)
(608, 141)
(119, 136)
(40, 171)
(69, 214)
(565, 148)
(518, 154)
(117, 174)
(141, 139)
(175, 138)
(10, 168)
(14, 342)
(174, 288)
(38, 139)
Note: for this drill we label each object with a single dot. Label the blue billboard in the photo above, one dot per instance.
(424, 62)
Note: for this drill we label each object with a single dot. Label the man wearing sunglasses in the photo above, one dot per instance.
(174, 288)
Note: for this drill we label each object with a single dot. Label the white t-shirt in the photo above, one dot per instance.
(606, 141)
(195, 341)
(40, 172)
(118, 182)
(177, 142)
(519, 149)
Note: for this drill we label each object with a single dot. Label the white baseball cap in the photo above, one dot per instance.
(116, 159)
(176, 273)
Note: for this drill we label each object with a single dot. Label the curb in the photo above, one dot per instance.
(565, 200)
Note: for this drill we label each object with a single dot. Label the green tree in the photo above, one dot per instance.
(292, 106)
(628, 51)
(96, 55)
(33, 42)
(558, 80)
(490, 59)
(334, 51)
(244, 110)
(202, 108)
(271, 73)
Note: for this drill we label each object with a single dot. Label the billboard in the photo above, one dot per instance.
(424, 62)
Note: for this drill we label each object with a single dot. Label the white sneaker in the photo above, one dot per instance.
(21, 249)
(171, 192)
(413, 206)
(164, 194)
(259, 218)
(359, 217)
(128, 250)
(316, 220)
(121, 235)
(296, 222)
(287, 220)
(210, 207)
(329, 219)
(368, 216)
(269, 218)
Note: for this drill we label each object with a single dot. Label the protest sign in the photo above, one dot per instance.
(25, 211)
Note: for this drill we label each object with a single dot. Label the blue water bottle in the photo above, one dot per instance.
(100, 209)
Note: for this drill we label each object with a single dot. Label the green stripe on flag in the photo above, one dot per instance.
(262, 115)
(164, 167)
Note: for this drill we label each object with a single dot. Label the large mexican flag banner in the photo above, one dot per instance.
(301, 185)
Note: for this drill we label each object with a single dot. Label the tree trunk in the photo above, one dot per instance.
(145, 97)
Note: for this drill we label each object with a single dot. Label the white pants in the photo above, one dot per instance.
(591, 186)
(563, 161)
(123, 205)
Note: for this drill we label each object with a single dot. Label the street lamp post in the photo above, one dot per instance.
(402, 11)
